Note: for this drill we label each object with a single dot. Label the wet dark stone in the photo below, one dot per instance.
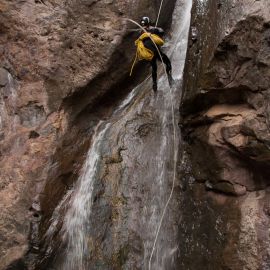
(33, 134)
(17, 265)
(226, 75)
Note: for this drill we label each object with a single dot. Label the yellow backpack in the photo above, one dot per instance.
(143, 53)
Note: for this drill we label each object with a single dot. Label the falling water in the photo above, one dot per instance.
(77, 218)
(168, 104)
(155, 173)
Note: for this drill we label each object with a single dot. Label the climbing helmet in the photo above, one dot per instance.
(145, 21)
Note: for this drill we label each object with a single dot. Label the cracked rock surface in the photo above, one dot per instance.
(63, 67)
(225, 122)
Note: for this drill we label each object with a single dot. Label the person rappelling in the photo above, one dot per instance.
(148, 49)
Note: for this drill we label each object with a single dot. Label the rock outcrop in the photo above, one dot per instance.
(63, 67)
(225, 109)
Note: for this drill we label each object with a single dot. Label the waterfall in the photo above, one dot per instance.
(147, 170)
(167, 103)
(76, 222)
(77, 217)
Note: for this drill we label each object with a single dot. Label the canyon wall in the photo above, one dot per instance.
(64, 66)
(225, 125)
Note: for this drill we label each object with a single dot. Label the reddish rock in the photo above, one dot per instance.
(225, 123)
(63, 67)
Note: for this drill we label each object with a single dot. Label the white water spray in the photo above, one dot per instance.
(158, 250)
(180, 34)
(77, 218)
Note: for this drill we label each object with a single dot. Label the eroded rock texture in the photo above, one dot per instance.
(63, 67)
(226, 127)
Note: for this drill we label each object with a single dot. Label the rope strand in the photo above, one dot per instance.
(174, 144)
(174, 158)
(160, 7)
(134, 62)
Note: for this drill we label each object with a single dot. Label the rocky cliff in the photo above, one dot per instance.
(225, 124)
(63, 67)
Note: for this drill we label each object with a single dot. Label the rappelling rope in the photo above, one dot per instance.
(160, 7)
(134, 62)
(136, 56)
(174, 159)
(174, 144)
(153, 43)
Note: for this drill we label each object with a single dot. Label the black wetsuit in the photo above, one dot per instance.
(151, 46)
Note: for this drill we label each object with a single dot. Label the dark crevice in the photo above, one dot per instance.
(110, 86)
(17, 265)
(204, 101)
(33, 134)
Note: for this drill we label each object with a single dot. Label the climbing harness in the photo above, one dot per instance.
(143, 53)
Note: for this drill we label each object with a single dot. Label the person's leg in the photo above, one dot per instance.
(167, 62)
(154, 73)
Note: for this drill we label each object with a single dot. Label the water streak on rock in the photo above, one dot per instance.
(77, 218)
(141, 114)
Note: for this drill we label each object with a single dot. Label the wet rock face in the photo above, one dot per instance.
(63, 67)
(225, 111)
